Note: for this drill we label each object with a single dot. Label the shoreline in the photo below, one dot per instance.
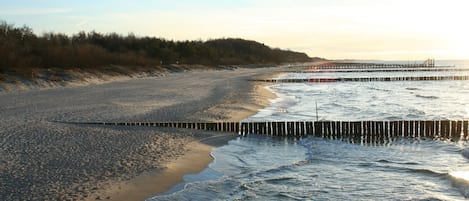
(196, 158)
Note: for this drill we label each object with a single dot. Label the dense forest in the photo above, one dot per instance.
(22, 51)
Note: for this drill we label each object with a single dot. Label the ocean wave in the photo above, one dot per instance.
(378, 89)
(279, 180)
(290, 197)
(412, 88)
(426, 199)
(465, 152)
(427, 97)
(426, 172)
(460, 180)
(404, 163)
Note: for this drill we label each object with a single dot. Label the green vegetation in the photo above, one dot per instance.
(22, 52)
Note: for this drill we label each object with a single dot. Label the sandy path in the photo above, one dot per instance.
(42, 159)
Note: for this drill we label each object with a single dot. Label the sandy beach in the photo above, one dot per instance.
(43, 159)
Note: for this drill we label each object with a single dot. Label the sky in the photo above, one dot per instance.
(333, 29)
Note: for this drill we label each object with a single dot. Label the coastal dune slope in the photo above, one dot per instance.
(45, 155)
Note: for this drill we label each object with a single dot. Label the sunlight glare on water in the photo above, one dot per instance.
(464, 175)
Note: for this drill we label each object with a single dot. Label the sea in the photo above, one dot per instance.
(257, 167)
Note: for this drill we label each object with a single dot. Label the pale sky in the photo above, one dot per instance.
(334, 29)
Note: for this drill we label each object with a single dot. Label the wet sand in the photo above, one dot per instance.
(45, 159)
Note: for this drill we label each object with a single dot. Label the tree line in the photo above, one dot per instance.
(21, 51)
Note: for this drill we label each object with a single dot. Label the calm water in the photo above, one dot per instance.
(267, 168)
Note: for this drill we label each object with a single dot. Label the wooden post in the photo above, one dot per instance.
(411, 128)
(333, 130)
(317, 129)
(428, 128)
(275, 128)
(298, 129)
(343, 133)
(366, 130)
(459, 128)
(350, 129)
(405, 129)
(422, 129)
(303, 128)
(289, 128)
(327, 129)
(243, 129)
(386, 131)
(309, 127)
(454, 130)
(263, 128)
(465, 129)
(281, 126)
(358, 129)
(339, 129)
(214, 126)
(255, 129)
(391, 130)
(380, 131)
(445, 129)
(236, 127)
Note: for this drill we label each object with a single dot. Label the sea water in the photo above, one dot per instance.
(258, 167)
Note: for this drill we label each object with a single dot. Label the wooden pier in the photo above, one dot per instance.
(364, 130)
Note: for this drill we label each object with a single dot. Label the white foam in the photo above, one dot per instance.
(465, 152)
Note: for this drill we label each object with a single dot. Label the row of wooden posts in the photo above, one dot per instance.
(379, 70)
(365, 79)
(445, 129)
(370, 65)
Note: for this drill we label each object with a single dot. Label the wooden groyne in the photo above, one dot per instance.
(371, 65)
(379, 70)
(372, 130)
(366, 79)
(429, 63)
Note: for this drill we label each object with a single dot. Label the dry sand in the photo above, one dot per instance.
(43, 159)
